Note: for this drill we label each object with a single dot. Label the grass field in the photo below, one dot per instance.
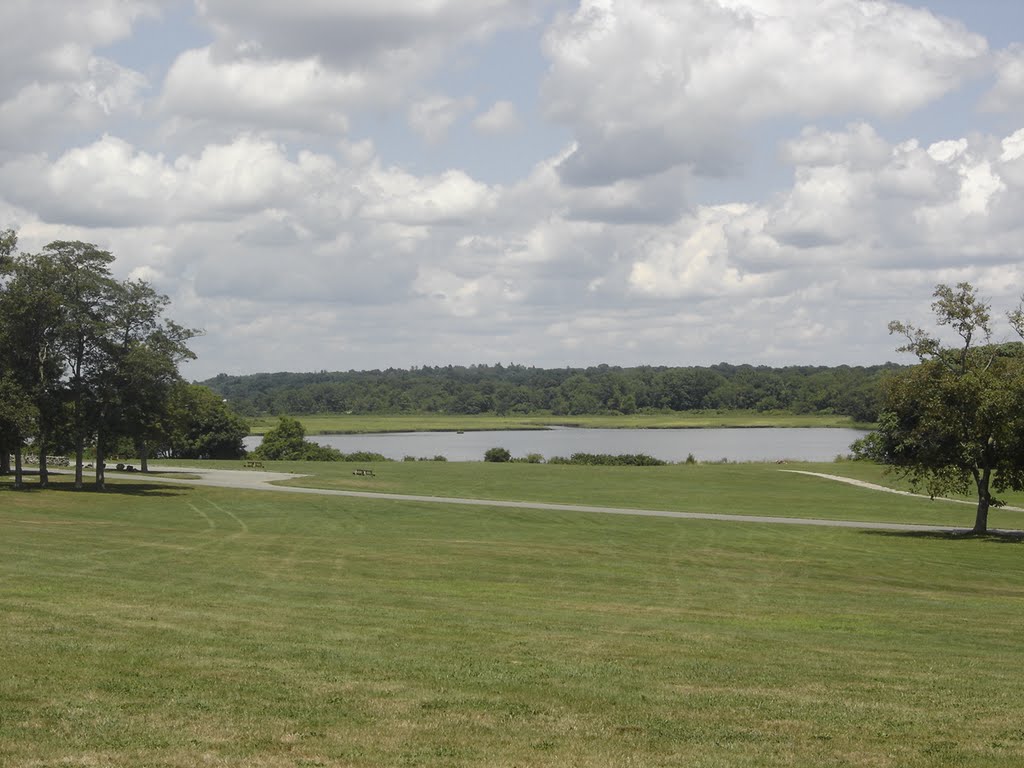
(340, 423)
(200, 626)
(753, 488)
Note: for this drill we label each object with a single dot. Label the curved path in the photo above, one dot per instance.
(874, 487)
(255, 480)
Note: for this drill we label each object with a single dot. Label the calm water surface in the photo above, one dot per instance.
(666, 444)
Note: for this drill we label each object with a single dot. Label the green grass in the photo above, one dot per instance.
(340, 423)
(751, 489)
(175, 627)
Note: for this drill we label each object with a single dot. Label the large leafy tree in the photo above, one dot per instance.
(955, 421)
(83, 356)
(33, 315)
(16, 419)
(287, 442)
(88, 297)
(199, 425)
(135, 369)
(8, 242)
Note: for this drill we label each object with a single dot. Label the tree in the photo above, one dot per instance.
(134, 369)
(16, 420)
(287, 442)
(88, 296)
(32, 334)
(199, 425)
(8, 242)
(956, 419)
(83, 357)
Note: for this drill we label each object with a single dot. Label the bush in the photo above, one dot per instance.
(287, 442)
(607, 460)
(497, 455)
(362, 456)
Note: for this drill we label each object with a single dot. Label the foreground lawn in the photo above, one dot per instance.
(744, 489)
(341, 423)
(176, 627)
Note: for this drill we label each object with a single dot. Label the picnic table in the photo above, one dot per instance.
(253, 465)
(368, 472)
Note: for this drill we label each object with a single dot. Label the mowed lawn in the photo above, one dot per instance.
(198, 626)
(739, 489)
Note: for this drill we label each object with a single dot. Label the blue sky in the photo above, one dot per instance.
(669, 182)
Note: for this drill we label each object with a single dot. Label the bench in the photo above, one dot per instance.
(253, 464)
(368, 472)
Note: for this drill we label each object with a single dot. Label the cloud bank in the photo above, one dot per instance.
(329, 185)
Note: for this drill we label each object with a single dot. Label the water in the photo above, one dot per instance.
(805, 444)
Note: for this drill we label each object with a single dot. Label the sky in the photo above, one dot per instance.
(362, 184)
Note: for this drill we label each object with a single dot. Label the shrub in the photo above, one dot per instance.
(497, 455)
(363, 456)
(607, 460)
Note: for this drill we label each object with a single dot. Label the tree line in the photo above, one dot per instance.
(516, 389)
(89, 363)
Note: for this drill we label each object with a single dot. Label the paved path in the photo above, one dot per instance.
(261, 481)
(874, 487)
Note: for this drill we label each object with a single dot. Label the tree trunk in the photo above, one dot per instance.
(143, 451)
(984, 500)
(101, 477)
(79, 461)
(44, 475)
(19, 481)
(5, 461)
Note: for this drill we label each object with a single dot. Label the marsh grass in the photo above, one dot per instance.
(341, 423)
(175, 627)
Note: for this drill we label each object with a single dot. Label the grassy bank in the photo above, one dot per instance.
(340, 423)
(173, 627)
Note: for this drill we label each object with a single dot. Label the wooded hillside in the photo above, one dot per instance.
(517, 389)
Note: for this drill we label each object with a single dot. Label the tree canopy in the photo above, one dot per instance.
(287, 441)
(956, 420)
(516, 389)
(85, 359)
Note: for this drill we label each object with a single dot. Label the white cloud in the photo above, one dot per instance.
(112, 181)
(433, 117)
(451, 198)
(648, 85)
(354, 34)
(858, 145)
(54, 40)
(251, 190)
(692, 260)
(309, 65)
(1007, 95)
(501, 118)
(54, 84)
(278, 93)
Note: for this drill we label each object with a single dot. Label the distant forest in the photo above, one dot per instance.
(517, 389)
